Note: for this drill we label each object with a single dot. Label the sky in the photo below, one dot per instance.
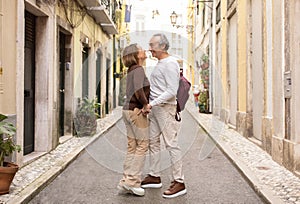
(164, 7)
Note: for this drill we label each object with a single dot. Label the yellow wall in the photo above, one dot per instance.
(8, 57)
(121, 27)
(242, 55)
(93, 31)
(224, 53)
(191, 42)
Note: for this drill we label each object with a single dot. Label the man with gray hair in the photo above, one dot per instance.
(164, 82)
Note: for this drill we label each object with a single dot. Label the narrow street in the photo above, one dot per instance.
(61, 63)
(94, 175)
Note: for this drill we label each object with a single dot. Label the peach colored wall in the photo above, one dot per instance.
(8, 57)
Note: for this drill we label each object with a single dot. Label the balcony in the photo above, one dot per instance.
(99, 11)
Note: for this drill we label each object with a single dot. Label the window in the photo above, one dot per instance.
(140, 24)
(173, 38)
(179, 39)
(218, 13)
(203, 18)
(179, 52)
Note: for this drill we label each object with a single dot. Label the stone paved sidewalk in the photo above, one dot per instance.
(269, 179)
(34, 176)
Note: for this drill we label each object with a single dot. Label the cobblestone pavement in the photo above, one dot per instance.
(269, 179)
(272, 181)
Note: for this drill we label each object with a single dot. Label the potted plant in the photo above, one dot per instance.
(205, 78)
(7, 147)
(203, 102)
(205, 61)
(86, 117)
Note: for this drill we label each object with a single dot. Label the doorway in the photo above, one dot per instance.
(29, 83)
(98, 79)
(107, 85)
(61, 107)
(85, 72)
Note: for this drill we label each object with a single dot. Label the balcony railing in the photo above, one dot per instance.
(229, 3)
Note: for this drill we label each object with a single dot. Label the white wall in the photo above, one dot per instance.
(257, 68)
(232, 68)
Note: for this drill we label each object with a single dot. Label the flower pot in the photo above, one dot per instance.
(7, 174)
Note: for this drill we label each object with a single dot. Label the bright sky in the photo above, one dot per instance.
(141, 19)
(164, 7)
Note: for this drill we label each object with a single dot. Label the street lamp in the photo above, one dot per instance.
(173, 18)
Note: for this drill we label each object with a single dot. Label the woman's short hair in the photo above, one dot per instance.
(163, 40)
(130, 55)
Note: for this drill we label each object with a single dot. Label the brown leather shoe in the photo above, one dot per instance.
(176, 189)
(151, 182)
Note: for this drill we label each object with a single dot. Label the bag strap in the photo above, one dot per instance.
(177, 116)
(177, 107)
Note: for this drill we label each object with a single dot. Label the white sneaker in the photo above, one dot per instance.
(135, 190)
(122, 190)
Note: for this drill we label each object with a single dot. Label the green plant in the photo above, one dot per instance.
(85, 117)
(203, 97)
(205, 62)
(97, 106)
(205, 78)
(203, 101)
(204, 74)
(7, 144)
(205, 58)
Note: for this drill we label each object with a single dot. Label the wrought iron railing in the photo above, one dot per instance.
(110, 6)
(229, 3)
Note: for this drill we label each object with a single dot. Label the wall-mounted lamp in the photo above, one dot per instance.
(173, 18)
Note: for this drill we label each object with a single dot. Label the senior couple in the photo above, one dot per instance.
(156, 101)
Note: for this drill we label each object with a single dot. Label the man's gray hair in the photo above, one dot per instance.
(163, 40)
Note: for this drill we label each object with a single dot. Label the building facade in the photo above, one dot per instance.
(60, 51)
(255, 49)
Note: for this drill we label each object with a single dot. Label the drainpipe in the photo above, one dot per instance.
(213, 58)
(114, 71)
(196, 71)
